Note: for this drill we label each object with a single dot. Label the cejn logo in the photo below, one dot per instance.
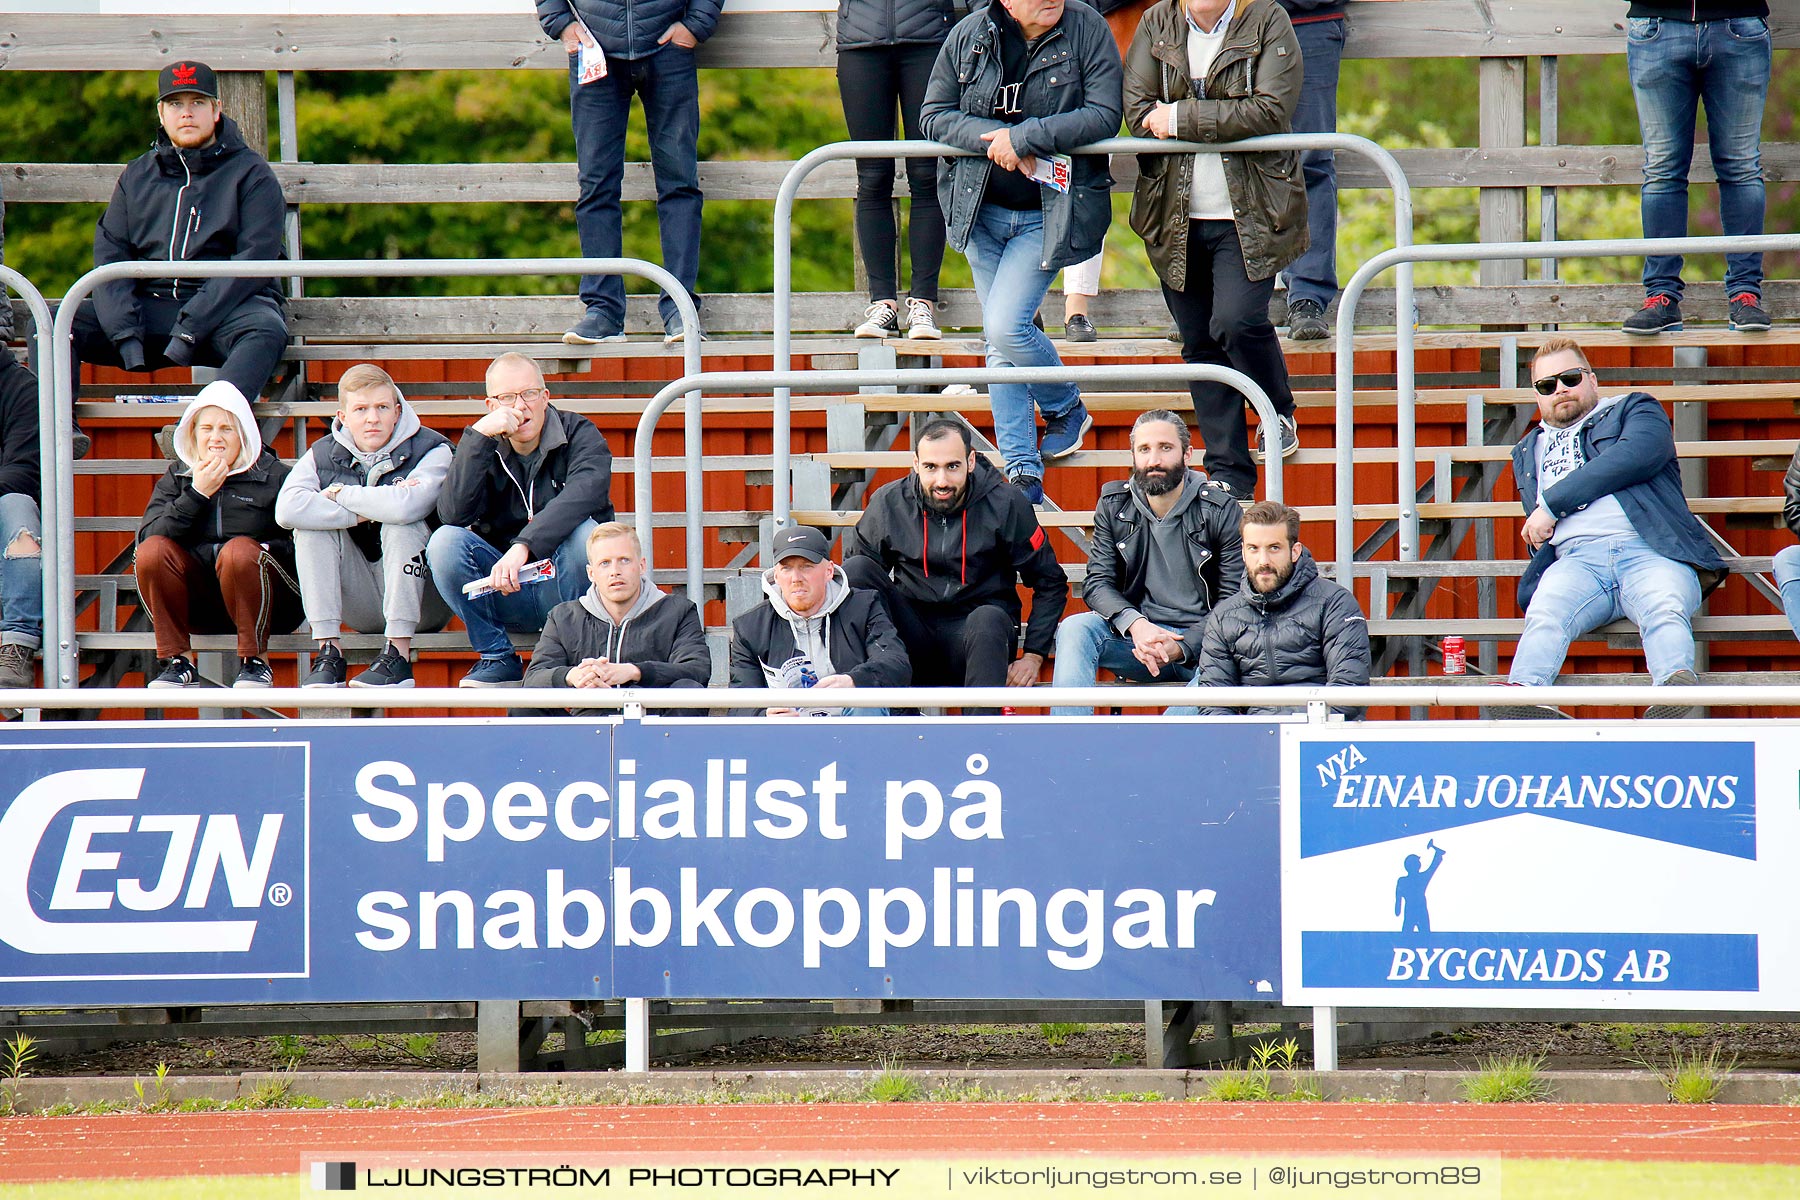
(191, 865)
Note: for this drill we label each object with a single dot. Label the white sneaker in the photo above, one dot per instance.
(880, 320)
(921, 320)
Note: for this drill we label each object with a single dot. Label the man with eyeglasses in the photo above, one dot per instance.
(1609, 530)
(527, 482)
(201, 193)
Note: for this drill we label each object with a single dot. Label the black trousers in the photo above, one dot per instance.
(1223, 318)
(874, 84)
(948, 647)
(246, 347)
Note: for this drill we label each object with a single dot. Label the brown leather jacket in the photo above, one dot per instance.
(1250, 90)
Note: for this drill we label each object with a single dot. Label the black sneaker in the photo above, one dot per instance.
(253, 672)
(592, 329)
(327, 669)
(880, 320)
(1306, 321)
(176, 672)
(1673, 712)
(1747, 315)
(390, 669)
(1079, 329)
(81, 443)
(1290, 439)
(1031, 485)
(1661, 314)
(505, 671)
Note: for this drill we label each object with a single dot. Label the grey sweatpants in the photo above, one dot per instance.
(340, 587)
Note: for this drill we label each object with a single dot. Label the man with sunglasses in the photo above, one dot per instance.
(527, 482)
(1608, 527)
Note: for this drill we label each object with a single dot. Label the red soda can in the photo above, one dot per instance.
(1456, 656)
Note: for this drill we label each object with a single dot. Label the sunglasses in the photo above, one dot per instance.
(1569, 378)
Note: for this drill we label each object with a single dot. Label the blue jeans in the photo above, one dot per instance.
(1675, 65)
(669, 88)
(1006, 256)
(457, 555)
(21, 578)
(1787, 579)
(1313, 276)
(1600, 580)
(1086, 642)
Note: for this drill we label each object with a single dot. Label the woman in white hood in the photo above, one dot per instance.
(210, 556)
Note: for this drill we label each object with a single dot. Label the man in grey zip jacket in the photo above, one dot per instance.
(815, 630)
(1165, 551)
(623, 630)
(1019, 82)
(362, 504)
(202, 194)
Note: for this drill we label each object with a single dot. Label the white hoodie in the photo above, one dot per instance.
(222, 395)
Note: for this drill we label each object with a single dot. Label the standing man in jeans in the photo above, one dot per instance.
(1312, 278)
(649, 48)
(1681, 55)
(1018, 82)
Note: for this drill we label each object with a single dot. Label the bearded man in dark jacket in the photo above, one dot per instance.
(199, 194)
(945, 548)
(1289, 626)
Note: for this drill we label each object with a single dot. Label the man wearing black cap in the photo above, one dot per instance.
(199, 194)
(815, 630)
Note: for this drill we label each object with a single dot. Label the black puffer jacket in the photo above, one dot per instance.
(6, 317)
(218, 202)
(18, 429)
(1308, 632)
(489, 491)
(868, 24)
(629, 28)
(244, 506)
(1790, 508)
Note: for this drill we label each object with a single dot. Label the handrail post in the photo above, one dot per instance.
(56, 632)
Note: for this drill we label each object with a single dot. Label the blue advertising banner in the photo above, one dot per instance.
(418, 860)
(1600, 865)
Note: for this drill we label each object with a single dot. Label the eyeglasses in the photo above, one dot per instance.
(529, 396)
(1568, 378)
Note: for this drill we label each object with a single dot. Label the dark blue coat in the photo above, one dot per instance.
(629, 28)
(1630, 453)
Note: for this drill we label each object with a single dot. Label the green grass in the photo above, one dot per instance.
(1692, 1076)
(1056, 1033)
(1510, 1079)
(892, 1084)
(1270, 1061)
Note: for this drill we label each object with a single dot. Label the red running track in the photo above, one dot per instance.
(34, 1149)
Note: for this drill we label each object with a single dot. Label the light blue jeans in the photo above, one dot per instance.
(1086, 642)
(1006, 256)
(1787, 578)
(458, 555)
(1676, 66)
(1600, 580)
(21, 577)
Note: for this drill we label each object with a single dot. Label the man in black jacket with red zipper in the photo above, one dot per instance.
(946, 548)
(199, 194)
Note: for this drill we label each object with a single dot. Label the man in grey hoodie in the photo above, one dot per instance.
(814, 630)
(362, 504)
(622, 630)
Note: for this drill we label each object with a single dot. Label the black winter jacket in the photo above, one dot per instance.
(6, 317)
(218, 202)
(487, 491)
(868, 24)
(244, 506)
(1790, 507)
(1309, 632)
(629, 28)
(1072, 91)
(664, 641)
(969, 557)
(1118, 554)
(18, 430)
(864, 644)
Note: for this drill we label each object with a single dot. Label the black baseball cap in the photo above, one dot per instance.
(182, 77)
(802, 541)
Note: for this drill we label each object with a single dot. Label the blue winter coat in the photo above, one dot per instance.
(1630, 455)
(629, 28)
(1074, 93)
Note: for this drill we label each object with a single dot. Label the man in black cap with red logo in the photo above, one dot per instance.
(199, 194)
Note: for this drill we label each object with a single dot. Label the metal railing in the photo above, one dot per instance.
(49, 460)
(1404, 311)
(56, 419)
(1403, 257)
(780, 381)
